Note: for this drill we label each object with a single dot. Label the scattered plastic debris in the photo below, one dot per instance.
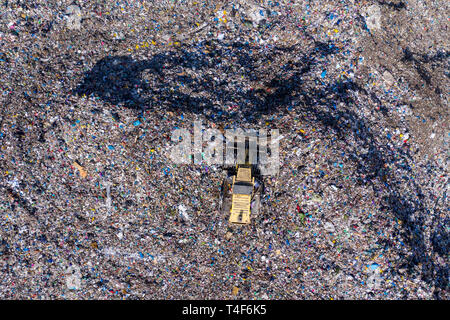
(92, 91)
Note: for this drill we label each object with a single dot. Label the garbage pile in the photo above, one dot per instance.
(92, 206)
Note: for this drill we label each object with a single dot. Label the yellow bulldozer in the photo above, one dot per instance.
(242, 188)
(241, 194)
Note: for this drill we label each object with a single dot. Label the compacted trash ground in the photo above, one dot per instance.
(93, 207)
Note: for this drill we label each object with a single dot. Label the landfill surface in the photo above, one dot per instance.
(92, 207)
